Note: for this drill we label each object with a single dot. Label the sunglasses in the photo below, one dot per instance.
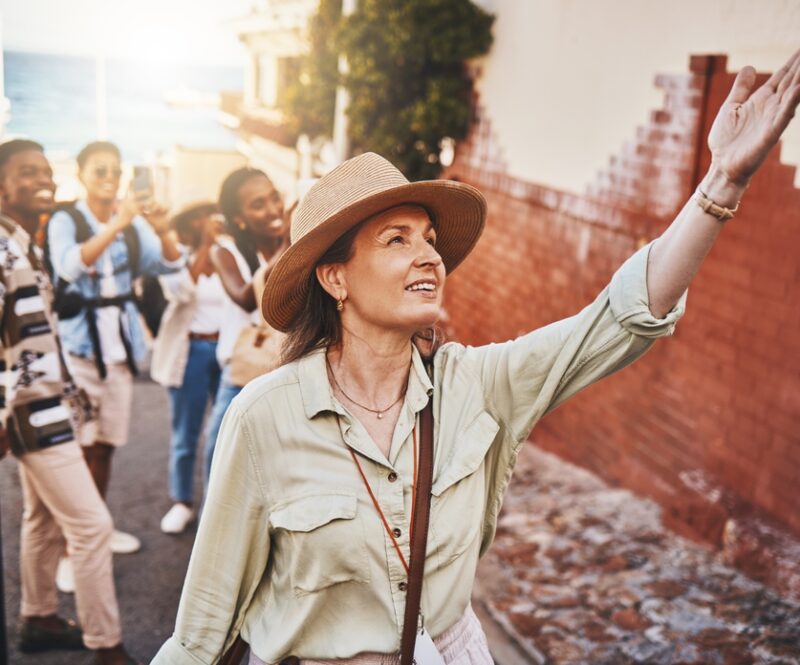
(104, 172)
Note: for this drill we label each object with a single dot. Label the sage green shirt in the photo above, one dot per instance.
(290, 549)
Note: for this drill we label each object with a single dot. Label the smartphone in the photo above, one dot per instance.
(142, 180)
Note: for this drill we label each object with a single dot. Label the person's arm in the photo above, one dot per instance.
(156, 217)
(93, 248)
(156, 252)
(230, 552)
(239, 290)
(524, 379)
(747, 127)
(201, 261)
(202, 257)
(65, 251)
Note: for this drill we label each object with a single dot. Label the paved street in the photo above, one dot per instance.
(580, 572)
(584, 573)
(148, 583)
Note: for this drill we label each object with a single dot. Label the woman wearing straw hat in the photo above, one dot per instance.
(304, 546)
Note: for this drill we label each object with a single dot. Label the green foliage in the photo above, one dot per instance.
(408, 83)
(310, 98)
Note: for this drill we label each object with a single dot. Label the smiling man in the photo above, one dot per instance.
(36, 396)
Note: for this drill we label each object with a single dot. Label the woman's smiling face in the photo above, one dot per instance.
(100, 175)
(261, 208)
(395, 277)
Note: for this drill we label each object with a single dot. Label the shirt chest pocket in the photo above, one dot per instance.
(320, 541)
(459, 491)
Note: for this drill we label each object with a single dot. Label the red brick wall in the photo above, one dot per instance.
(708, 423)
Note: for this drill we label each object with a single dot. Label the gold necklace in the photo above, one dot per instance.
(378, 412)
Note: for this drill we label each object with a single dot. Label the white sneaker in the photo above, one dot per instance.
(65, 577)
(124, 543)
(177, 519)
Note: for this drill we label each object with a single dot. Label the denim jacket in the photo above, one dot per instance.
(66, 258)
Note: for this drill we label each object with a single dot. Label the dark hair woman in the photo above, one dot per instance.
(257, 233)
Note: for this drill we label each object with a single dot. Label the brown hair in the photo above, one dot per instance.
(318, 324)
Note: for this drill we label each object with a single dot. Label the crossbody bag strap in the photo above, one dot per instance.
(419, 535)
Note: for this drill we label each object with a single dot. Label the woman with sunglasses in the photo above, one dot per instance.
(103, 338)
(304, 545)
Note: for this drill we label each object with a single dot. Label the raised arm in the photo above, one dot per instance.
(93, 248)
(747, 127)
(239, 290)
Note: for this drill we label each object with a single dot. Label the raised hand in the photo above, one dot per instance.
(750, 123)
(156, 215)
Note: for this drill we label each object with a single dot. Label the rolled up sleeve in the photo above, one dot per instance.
(65, 251)
(628, 297)
(151, 260)
(229, 554)
(528, 377)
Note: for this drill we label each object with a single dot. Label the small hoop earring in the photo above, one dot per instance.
(339, 305)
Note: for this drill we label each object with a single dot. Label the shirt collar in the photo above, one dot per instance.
(314, 386)
(420, 387)
(318, 397)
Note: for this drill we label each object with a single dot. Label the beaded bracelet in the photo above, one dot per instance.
(722, 213)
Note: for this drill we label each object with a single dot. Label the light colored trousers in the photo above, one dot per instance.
(61, 502)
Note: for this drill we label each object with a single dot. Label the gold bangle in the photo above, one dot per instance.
(722, 213)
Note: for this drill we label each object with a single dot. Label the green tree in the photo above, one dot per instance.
(408, 80)
(310, 99)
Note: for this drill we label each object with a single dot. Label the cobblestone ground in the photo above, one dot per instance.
(584, 573)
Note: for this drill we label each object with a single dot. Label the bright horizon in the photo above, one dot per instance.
(148, 31)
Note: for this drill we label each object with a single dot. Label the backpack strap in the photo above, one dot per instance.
(82, 229)
(134, 247)
(82, 233)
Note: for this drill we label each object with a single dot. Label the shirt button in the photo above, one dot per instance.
(397, 533)
(402, 586)
(392, 476)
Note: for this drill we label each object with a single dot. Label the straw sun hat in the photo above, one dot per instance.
(358, 189)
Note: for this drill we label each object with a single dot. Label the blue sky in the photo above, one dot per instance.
(146, 30)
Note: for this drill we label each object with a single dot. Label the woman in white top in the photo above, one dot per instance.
(258, 227)
(184, 354)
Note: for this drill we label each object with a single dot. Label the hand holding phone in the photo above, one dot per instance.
(142, 183)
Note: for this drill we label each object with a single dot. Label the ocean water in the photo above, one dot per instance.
(53, 101)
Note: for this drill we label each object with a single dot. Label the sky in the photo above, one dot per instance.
(196, 31)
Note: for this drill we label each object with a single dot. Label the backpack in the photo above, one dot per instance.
(152, 302)
(82, 233)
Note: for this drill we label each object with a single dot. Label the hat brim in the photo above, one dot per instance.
(458, 212)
